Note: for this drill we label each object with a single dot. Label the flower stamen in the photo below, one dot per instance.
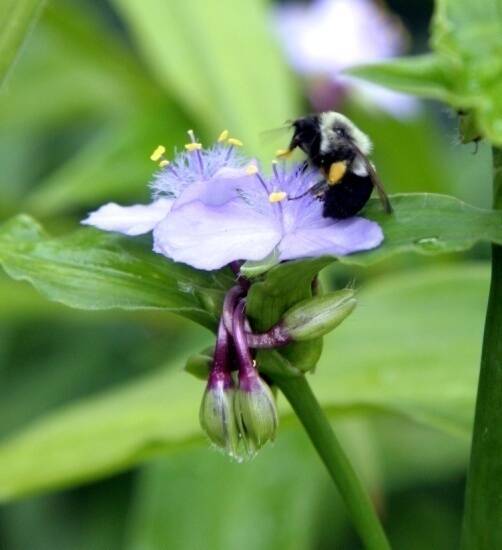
(158, 153)
(223, 136)
(283, 153)
(235, 142)
(277, 196)
(193, 146)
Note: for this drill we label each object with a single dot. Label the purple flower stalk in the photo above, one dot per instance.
(216, 414)
(254, 403)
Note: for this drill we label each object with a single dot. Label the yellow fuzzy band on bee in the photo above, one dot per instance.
(236, 142)
(223, 136)
(283, 153)
(158, 152)
(193, 146)
(277, 196)
(251, 169)
(336, 172)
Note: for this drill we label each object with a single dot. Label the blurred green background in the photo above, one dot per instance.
(98, 85)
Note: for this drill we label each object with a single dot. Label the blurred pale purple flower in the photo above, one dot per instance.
(324, 37)
(235, 214)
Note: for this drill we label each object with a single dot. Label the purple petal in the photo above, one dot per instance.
(331, 237)
(219, 222)
(129, 220)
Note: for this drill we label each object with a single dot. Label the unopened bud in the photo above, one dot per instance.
(319, 315)
(217, 416)
(199, 364)
(256, 413)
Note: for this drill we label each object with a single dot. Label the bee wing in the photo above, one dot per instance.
(384, 199)
(276, 135)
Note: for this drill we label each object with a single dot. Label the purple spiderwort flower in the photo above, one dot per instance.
(213, 207)
(248, 218)
(324, 37)
(195, 164)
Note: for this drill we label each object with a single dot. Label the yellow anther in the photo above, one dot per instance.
(251, 169)
(277, 196)
(223, 136)
(336, 172)
(164, 163)
(193, 146)
(283, 153)
(157, 154)
(236, 142)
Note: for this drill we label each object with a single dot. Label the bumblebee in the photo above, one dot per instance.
(339, 150)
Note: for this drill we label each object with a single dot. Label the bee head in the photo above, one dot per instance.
(341, 139)
(306, 135)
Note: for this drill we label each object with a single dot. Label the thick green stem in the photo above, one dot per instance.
(308, 410)
(482, 528)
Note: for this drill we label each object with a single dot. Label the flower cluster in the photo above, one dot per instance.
(213, 207)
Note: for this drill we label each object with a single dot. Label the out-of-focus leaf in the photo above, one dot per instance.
(230, 499)
(292, 510)
(95, 270)
(465, 68)
(413, 344)
(78, 65)
(411, 349)
(422, 75)
(218, 58)
(16, 21)
(114, 164)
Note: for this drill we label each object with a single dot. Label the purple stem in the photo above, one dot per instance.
(273, 338)
(247, 372)
(235, 266)
(229, 304)
(220, 371)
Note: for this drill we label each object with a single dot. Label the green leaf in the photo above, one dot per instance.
(410, 349)
(94, 270)
(220, 61)
(17, 19)
(422, 75)
(464, 70)
(428, 223)
(425, 223)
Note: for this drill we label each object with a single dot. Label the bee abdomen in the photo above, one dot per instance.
(347, 198)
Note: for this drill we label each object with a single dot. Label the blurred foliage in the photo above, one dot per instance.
(87, 394)
(464, 69)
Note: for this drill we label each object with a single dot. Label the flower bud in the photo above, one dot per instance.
(319, 315)
(200, 364)
(256, 412)
(216, 414)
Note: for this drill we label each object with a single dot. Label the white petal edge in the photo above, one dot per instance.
(129, 220)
